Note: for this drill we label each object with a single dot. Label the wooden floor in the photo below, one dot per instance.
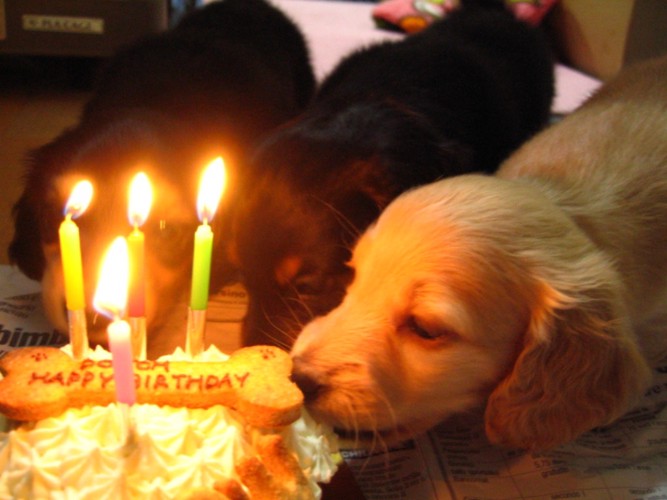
(38, 99)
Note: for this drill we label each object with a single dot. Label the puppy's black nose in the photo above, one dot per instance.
(307, 379)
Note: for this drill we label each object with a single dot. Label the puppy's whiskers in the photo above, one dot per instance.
(304, 306)
(384, 400)
(269, 334)
(95, 316)
(296, 298)
(351, 422)
(297, 320)
(345, 223)
(389, 409)
(376, 442)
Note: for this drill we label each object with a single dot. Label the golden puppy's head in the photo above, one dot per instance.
(473, 292)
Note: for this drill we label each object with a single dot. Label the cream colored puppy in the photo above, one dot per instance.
(539, 294)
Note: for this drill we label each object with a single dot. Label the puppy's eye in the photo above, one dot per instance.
(414, 326)
(171, 242)
(307, 284)
(169, 230)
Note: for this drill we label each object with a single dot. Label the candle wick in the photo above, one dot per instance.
(136, 221)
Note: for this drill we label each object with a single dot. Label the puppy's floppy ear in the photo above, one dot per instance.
(358, 194)
(38, 213)
(579, 368)
(25, 249)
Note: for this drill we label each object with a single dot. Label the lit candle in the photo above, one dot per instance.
(70, 255)
(120, 345)
(210, 190)
(110, 300)
(140, 199)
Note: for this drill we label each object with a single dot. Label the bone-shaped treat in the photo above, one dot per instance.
(41, 382)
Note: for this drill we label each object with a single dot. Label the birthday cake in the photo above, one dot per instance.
(200, 429)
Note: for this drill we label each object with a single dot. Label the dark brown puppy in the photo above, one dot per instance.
(226, 75)
(458, 97)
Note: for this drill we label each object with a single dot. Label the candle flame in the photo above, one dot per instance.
(111, 293)
(211, 186)
(141, 198)
(79, 199)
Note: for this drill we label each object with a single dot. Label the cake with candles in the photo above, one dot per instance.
(218, 427)
(193, 425)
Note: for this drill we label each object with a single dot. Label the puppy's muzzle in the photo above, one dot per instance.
(307, 379)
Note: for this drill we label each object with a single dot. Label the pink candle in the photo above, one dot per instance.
(120, 345)
(110, 300)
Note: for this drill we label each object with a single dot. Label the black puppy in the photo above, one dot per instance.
(216, 83)
(459, 96)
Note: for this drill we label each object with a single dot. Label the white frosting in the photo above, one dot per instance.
(85, 453)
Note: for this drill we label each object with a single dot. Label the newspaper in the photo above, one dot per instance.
(627, 460)
(22, 321)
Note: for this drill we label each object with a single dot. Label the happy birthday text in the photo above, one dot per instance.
(148, 374)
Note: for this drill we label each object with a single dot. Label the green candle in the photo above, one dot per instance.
(210, 190)
(201, 268)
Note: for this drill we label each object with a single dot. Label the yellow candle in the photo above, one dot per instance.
(70, 256)
(70, 246)
(70, 251)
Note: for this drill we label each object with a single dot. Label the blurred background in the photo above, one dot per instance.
(50, 49)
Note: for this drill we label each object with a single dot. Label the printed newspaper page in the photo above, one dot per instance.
(22, 321)
(627, 460)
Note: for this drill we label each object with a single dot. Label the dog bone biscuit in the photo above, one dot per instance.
(41, 382)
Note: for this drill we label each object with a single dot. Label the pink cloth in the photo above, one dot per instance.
(531, 11)
(411, 16)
